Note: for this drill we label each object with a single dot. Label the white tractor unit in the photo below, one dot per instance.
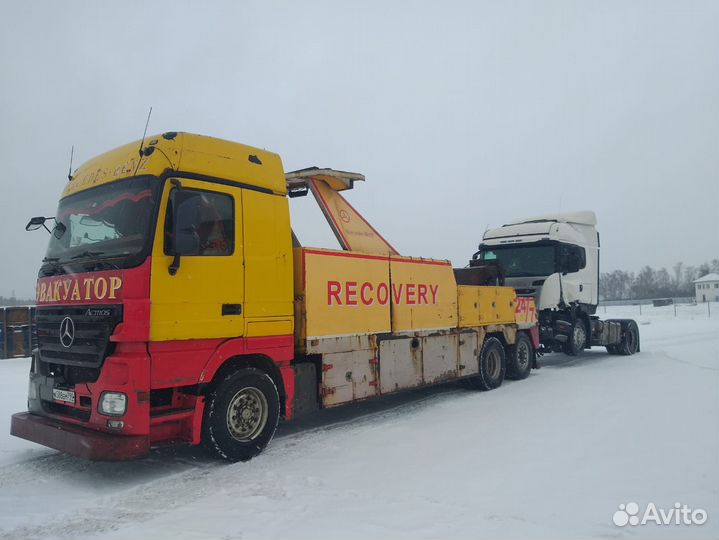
(555, 259)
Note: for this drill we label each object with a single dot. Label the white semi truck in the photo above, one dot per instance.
(555, 259)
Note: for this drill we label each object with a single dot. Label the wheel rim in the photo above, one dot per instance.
(247, 414)
(579, 337)
(493, 364)
(522, 355)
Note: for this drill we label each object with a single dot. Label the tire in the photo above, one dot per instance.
(520, 358)
(241, 415)
(492, 366)
(630, 339)
(629, 343)
(577, 339)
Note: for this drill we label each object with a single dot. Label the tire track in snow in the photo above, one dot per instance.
(135, 505)
(146, 499)
(53, 466)
(685, 362)
(686, 338)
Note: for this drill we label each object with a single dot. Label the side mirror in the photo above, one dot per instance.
(572, 265)
(35, 223)
(187, 210)
(186, 214)
(573, 259)
(59, 230)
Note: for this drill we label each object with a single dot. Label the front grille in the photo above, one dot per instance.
(93, 326)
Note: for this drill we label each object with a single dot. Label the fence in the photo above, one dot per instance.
(664, 307)
(17, 331)
(647, 301)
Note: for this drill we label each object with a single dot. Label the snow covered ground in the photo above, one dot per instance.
(552, 456)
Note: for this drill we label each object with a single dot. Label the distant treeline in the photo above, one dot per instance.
(651, 283)
(9, 302)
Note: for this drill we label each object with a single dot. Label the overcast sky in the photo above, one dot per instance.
(462, 115)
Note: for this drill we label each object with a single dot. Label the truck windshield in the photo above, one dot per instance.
(107, 222)
(522, 261)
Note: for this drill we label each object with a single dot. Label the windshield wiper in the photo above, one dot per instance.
(98, 264)
(88, 255)
(54, 264)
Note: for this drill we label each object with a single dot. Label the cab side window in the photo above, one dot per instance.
(213, 221)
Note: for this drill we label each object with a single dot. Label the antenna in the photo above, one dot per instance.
(144, 133)
(142, 141)
(69, 171)
(559, 211)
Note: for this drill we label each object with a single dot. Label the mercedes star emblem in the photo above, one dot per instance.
(67, 332)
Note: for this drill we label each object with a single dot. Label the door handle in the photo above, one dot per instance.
(232, 309)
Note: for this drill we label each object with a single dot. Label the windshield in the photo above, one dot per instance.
(522, 261)
(108, 222)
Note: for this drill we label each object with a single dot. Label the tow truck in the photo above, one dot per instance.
(175, 304)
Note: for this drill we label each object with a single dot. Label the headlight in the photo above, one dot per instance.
(113, 403)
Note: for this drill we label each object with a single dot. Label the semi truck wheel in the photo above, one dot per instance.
(492, 366)
(630, 339)
(577, 339)
(520, 358)
(241, 415)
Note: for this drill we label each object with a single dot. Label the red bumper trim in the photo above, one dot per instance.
(77, 440)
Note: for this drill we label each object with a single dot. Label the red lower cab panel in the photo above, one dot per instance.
(164, 405)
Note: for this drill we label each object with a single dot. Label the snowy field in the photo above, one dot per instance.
(552, 456)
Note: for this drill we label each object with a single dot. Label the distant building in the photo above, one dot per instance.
(707, 288)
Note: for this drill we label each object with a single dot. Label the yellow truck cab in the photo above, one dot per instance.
(174, 304)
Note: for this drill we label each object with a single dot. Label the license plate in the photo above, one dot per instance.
(68, 396)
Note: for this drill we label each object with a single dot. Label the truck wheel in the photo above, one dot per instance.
(241, 415)
(577, 339)
(520, 358)
(492, 365)
(630, 340)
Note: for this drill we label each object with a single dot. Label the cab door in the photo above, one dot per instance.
(575, 277)
(198, 293)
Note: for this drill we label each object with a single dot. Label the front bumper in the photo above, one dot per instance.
(77, 440)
